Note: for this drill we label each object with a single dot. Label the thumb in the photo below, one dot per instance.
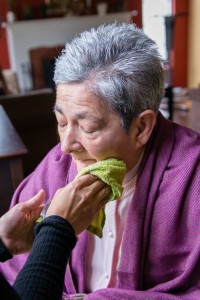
(35, 200)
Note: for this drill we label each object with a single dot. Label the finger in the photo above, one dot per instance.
(103, 193)
(101, 197)
(59, 191)
(85, 180)
(35, 200)
(95, 187)
(102, 204)
(37, 212)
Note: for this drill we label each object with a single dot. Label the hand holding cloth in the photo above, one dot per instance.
(112, 172)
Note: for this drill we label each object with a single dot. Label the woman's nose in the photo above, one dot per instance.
(69, 141)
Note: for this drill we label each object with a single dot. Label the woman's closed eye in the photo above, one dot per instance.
(88, 130)
(62, 125)
(89, 127)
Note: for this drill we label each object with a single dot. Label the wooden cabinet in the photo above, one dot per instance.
(11, 151)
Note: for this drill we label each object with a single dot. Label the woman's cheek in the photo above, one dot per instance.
(99, 148)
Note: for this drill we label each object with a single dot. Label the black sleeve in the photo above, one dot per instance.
(42, 276)
(7, 291)
(4, 253)
(5, 288)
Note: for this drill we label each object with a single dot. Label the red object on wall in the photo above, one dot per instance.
(180, 10)
(136, 5)
(4, 59)
(4, 56)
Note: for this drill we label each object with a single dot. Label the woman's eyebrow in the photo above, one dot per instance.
(56, 108)
(88, 116)
(80, 115)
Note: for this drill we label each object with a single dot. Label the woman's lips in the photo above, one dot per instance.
(83, 163)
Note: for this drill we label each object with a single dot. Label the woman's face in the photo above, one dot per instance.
(89, 131)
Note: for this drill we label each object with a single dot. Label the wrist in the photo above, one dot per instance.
(60, 227)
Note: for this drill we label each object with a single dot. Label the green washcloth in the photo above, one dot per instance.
(112, 172)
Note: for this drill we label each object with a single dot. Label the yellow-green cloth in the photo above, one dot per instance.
(112, 172)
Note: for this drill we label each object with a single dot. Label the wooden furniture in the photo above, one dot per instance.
(3, 85)
(11, 151)
(185, 108)
(41, 58)
(32, 116)
(190, 118)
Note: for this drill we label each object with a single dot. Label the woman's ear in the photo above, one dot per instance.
(145, 123)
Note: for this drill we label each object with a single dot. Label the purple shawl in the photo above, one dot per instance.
(160, 255)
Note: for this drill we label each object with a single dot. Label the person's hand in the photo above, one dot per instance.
(79, 201)
(17, 225)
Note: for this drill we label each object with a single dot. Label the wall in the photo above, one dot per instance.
(194, 45)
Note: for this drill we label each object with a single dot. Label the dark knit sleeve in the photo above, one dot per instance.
(6, 289)
(43, 274)
(4, 253)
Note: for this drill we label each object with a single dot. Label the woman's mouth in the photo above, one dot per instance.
(80, 163)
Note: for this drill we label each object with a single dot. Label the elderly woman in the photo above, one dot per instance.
(110, 82)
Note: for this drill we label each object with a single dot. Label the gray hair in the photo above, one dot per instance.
(118, 63)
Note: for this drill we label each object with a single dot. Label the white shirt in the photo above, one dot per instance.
(104, 254)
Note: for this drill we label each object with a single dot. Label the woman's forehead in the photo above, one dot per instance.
(79, 97)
